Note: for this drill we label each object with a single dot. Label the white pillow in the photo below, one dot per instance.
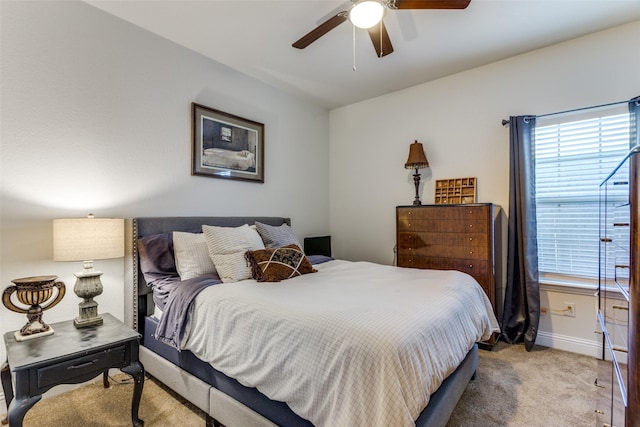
(227, 246)
(192, 255)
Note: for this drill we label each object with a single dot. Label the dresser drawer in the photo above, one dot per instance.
(453, 213)
(473, 267)
(418, 239)
(469, 225)
(446, 251)
(92, 363)
(478, 269)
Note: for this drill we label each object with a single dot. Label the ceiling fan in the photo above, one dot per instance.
(369, 14)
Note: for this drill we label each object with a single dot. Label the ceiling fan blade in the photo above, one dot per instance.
(384, 48)
(320, 30)
(428, 4)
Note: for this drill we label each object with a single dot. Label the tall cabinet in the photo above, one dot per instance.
(449, 237)
(619, 295)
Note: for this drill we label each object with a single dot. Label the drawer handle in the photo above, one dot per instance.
(471, 239)
(470, 265)
(82, 365)
(470, 225)
(470, 252)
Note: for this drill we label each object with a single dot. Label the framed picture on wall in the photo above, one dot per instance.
(226, 146)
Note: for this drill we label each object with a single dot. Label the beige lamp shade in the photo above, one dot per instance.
(88, 239)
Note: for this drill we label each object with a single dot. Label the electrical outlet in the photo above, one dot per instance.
(570, 309)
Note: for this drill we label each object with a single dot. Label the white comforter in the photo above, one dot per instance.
(356, 344)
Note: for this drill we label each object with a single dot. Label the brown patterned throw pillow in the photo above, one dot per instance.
(274, 265)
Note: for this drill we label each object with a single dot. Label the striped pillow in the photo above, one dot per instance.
(227, 246)
(192, 255)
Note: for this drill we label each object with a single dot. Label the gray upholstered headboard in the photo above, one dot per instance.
(138, 301)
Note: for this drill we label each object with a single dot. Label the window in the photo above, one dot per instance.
(572, 157)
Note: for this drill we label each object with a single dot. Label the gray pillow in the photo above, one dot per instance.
(156, 258)
(277, 237)
(158, 265)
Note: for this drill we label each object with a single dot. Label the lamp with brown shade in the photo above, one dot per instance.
(417, 160)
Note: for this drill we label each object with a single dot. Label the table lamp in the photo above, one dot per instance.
(88, 239)
(417, 160)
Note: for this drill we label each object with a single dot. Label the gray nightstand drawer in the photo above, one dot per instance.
(91, 363)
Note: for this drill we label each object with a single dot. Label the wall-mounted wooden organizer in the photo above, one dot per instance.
(456, 190)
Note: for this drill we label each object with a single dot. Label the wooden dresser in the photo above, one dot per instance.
(449, 237)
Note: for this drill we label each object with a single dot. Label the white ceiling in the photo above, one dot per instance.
(255, 38)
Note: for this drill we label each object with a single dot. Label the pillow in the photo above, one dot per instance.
(156, 258)
(192, 255)
(158, 265)
(274, 265)
(277, 236)
(319, 259)
(227, 246)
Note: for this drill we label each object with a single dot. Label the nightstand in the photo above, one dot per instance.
(69, 356)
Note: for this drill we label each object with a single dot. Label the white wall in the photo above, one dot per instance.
(96, 118)
(458, 119)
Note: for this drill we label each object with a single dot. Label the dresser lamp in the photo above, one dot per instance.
(417, 160)
(88, 239)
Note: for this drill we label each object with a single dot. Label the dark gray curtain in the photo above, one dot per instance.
(521, 313)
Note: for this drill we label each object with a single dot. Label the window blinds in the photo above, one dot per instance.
(572, 158)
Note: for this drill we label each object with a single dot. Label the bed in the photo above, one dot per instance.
(229, 159)
(251, 389)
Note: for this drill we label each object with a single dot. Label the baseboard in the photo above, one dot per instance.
(569, 343)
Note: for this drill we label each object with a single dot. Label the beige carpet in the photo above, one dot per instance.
(544, 387)
(95, 406)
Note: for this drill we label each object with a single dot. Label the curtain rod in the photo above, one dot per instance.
(506, 122)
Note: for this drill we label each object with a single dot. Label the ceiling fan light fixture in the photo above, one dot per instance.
(366, 13)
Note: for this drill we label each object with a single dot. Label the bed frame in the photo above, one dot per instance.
(220, 407)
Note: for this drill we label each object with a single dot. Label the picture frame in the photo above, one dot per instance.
(226, 146)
